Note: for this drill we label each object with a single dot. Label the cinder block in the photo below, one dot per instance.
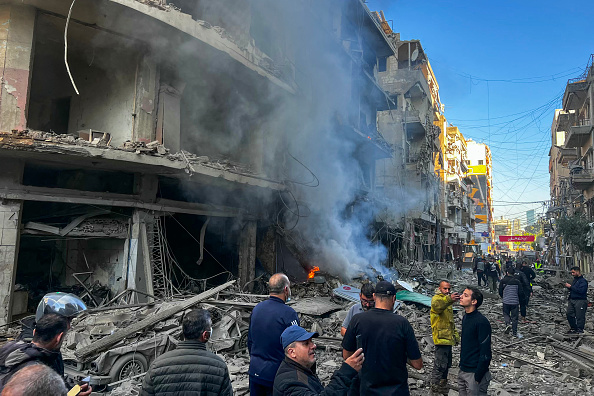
(9, 237)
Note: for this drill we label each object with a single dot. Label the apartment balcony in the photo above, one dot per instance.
(454, 202)
(578, 135)
(464, 167)
(415, 128)
(582, 179)
(566, 155)
(575, 95)
(404, 81)
(447, 223)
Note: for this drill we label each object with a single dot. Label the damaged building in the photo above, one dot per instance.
(163, 147)
(571, 169)
(428, 175)
(158, 148)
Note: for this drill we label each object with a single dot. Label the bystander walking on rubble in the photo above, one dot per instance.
(268, 321)
(530, 275)
(297, 373)
(35, 380)
(444, 334)
(189, 369)
(479, 269)
(388, 341)
(493, 273)
(475, 354)
(525, 288)
(578, 301)
(512, 292)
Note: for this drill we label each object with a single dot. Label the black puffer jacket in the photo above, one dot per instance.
(18, 354)
(188, 370)
(292, 379)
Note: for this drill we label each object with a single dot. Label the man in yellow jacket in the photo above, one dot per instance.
(444, 335)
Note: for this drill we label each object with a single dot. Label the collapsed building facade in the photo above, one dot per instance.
(171, 149)
(571, 169)
(158, 148)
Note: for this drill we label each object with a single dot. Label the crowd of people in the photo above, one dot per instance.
(377, 345)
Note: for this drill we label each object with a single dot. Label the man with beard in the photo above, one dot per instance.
(444, 335)
(367, 302)
(389, 343)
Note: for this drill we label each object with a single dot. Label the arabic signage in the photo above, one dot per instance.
(516, 238)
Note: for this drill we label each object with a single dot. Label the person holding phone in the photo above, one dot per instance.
(444, 335)
(297, 372)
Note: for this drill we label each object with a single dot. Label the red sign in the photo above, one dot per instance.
(516, 238)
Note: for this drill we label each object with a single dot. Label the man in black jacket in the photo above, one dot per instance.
(48, 336)
(475, 352)
(525, 287)
(389, 343)
(296, 375)
(189, 369)
(530, 275)
(576, 307)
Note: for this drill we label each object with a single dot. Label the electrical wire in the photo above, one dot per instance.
(307, 184)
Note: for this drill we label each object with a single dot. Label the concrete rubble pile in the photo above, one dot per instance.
(544, 360)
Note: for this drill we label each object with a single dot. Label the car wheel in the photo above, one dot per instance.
(241, 343)
(128, 366)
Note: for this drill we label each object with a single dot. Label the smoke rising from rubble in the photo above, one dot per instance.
(334, 219)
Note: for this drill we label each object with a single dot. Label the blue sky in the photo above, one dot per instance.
(532, 48)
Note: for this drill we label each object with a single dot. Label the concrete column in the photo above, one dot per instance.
(10, 220)
(17, 24)
(247, 253)
(139, 271)
(147, 82)
(266, 251)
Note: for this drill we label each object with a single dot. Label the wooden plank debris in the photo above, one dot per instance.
(106, 342)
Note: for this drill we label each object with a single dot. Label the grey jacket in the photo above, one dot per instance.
(511, 290)
(188, 370)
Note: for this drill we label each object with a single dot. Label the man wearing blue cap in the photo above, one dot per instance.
(389, 343)
(297, 374)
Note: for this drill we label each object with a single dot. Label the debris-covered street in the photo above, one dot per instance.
(544, 361)
(194, 192)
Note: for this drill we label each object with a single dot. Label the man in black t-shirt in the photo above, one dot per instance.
(388, 341)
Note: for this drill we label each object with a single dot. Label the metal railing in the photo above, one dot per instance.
(589, 69)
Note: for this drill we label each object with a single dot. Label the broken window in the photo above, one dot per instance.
(382, 64)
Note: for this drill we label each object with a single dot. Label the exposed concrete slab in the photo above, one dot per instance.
(117, 15)
(119, 159)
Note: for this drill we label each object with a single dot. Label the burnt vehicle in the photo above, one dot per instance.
(132, 356)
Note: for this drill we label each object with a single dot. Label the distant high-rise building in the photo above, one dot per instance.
(530, 217)
(479, 171)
